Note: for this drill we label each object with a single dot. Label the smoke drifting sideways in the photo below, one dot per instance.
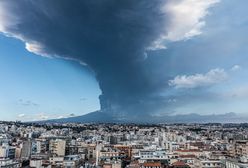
(111, 37)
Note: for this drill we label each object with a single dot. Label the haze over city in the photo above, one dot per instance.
(128, 59)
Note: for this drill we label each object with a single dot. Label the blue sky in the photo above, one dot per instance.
(191, 58)
(40, 87)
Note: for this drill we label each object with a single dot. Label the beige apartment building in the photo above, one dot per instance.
(241, 148)
(57, 147)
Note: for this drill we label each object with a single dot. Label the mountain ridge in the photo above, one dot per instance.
(104, 117)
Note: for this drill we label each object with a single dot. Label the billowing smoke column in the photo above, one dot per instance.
(109, 36)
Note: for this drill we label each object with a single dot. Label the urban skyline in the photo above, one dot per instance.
(123, 145)
(133, 58)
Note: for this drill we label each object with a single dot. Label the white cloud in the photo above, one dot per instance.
(186, 19)
(59, 117)
(42, 116)
(235, 68)
(157, 45)
(212, 77)
(21, 115)
(36, 48)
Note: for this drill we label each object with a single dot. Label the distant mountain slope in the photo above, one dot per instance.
(101, 117)
(197, 118)
(96, 116)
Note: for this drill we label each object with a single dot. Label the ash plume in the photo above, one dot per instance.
(111, 37)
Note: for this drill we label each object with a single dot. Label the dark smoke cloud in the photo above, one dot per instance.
(110, 36)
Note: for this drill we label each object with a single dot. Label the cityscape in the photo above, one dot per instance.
(123, 84)
(92, 145)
